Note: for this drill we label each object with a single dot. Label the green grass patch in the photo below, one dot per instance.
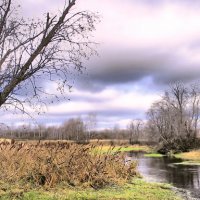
(137, 190)
(114, 149)
(193, 163)
(153, 155)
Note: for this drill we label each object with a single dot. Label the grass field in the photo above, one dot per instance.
(137, 190)
(114, 149)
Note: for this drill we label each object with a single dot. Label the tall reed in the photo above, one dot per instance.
(49, 164)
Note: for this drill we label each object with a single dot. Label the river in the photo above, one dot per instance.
(165, 170)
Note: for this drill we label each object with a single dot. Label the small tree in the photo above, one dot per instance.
(33, 50)
(134, 129)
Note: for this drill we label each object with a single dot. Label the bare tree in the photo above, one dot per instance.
(135, 129)
(34, 50)
(178, 98)
(91, 123)
(194, 111)
(74, 129)
(174, 119)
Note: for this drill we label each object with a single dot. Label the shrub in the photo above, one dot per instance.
(49, 164)
(178, 145)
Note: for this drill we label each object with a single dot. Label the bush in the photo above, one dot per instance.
(179, 145)
(50, 164)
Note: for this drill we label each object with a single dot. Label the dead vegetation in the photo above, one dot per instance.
(50, 164)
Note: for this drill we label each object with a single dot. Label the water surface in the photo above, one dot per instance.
(164, 170)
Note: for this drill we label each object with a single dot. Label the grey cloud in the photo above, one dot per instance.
(186, 74)
(118, 65)
(129, 66)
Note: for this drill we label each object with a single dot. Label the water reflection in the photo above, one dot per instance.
(164, 170)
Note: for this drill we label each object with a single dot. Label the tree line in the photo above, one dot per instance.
(78, 130)
(172, 123)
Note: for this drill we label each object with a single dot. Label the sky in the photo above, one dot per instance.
(144, 45)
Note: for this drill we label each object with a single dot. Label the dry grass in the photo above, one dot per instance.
(114, 149)
(3, 140)
(49, 164)
(110, 142)
(192, 155)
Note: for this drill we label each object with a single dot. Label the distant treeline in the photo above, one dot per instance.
(172, 123)
(76, 130)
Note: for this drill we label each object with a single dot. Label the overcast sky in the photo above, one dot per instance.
(144, 46)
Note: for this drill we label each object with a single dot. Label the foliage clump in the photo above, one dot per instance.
(179, 145)
(50, 164)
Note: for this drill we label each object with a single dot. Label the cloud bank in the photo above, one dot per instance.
(144, 46)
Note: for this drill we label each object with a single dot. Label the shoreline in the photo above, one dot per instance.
(186, 194)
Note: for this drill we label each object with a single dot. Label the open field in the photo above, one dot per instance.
(101, 146)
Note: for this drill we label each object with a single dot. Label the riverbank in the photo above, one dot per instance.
(106, 172)
(190, 158)
(138, 189)
(70, 171)
(191, 155)
(186, 194)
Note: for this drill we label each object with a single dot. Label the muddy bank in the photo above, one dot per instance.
(186, 194)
